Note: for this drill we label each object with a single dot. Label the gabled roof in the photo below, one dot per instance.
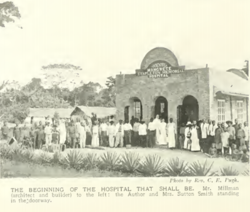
(229, 83)
(101, 112)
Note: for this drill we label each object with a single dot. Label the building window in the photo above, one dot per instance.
(240, 113)
(221, 110)
(137, 105)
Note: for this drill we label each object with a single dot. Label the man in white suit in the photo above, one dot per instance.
(119, 129)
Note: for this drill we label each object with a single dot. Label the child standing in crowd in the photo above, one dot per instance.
(111, 134)
(143, 134)
(225, 140)
(119, 134)
(151, 133)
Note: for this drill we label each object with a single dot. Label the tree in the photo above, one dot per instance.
(58, 76)
(31, 88)
(110, 82)
(8, 13)
(88, 93)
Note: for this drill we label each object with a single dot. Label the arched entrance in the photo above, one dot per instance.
(134, 109)
(188, 111)
(161, 107)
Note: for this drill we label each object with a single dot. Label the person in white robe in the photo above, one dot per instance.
(188, 134)
(171, 134)
(111, 130)
(95, 135)
(82, 135)
(163, 133)
(157, 124)
(195, 145)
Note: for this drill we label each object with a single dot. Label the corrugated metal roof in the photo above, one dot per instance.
(101, 112)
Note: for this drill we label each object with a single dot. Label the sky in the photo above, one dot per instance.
(111, 36)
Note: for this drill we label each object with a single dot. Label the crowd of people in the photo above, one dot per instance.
(206, 136)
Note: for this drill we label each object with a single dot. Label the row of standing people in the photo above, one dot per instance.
(221, 136)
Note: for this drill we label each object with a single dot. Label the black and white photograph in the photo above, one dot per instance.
(124, 89)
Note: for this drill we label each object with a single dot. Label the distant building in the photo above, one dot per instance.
(161, 86)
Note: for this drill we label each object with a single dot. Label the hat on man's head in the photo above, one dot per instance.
(189, 123)
(229, 122)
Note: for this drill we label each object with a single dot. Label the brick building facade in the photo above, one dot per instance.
(163, 87)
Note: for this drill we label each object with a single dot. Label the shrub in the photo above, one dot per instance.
(228, 171)
(130, 162)
(44, 158)
(109, 161)
(28, 155)
(6, 151)
(73, 159)
(152, 166)
(176, 167)
(198, 169)
(57, 158)
(90, 161)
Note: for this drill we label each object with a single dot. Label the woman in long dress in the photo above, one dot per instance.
(157, 124)
(163, 133)
(171, 134)
(95, 137)
(195, 145)
(188, 134)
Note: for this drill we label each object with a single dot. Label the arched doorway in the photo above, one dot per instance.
(161, 107)
(134, 109)
(189, 110)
